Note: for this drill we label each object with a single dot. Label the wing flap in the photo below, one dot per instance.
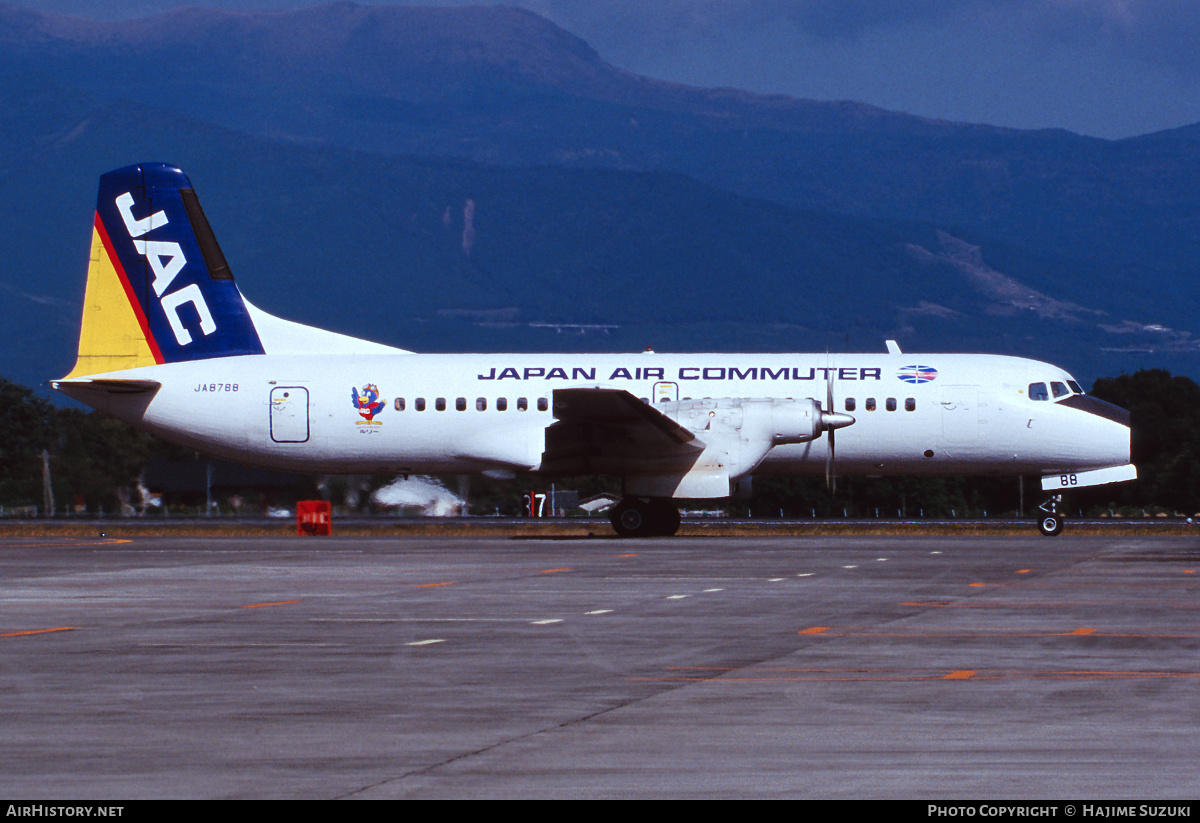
(609, 431)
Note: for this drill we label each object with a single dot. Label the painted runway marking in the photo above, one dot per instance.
(38, 631)
(70, 544)
(546, 622)
(265, 605)
(709, 591)
(553, 571)
(1080, 632)
(431, 585)
(1066, 604)
(676, 596)
(600, 611)
(425, 642)
(233, 645)
(418, 620)
(721, 675)
(322, 552)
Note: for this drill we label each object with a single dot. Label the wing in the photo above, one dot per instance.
(609, 431)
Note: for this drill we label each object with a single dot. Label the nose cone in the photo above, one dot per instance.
(1115, 414)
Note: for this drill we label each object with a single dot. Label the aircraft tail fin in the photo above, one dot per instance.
(158, 288)
(160, 291)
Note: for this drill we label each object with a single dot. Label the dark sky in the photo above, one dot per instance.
(1107, 68)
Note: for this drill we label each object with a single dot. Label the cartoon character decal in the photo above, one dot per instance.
(367, 401)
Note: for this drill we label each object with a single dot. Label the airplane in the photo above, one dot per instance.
(168, 344)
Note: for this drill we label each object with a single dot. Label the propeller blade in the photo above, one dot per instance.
(830, 480)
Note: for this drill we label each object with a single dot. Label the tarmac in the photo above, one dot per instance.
(712, 666)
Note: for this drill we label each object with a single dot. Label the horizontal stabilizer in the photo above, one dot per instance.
(108, 385)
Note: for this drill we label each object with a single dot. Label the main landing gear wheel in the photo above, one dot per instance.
(645, 518)
(667, 517)
(1051, 522)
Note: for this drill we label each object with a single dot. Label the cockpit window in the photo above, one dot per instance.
(1074, 387)
(1037, 391)
(1059, 389)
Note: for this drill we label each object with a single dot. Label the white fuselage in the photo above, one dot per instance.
(481, 412)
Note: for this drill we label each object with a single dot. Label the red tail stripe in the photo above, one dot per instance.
(133, 301)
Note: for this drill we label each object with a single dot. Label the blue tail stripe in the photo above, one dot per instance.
(193, 313)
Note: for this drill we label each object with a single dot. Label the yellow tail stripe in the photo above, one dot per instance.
(111, 337)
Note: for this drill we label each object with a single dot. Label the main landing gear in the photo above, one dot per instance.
(1050, 523)
(639, 517)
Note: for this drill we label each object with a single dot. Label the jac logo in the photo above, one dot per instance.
(917, 374)
(166, 261)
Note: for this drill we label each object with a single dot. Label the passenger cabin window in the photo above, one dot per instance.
(910, 404)
(480, 404)
(544, 404)
(891, 404)
(849, 404)
(1059, 389)
(1037, 391)
(870, 404)
(522, 404)
(440, 404)
(460, 404)
(419, 404)
(399, 404)
(501, 404)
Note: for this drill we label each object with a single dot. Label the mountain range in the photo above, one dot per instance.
(479, 179)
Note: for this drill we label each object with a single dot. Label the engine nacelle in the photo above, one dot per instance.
(781, 421)
(737, 433)
(777, 421)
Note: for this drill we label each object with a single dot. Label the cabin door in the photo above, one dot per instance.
(961, 416)
(289, 414)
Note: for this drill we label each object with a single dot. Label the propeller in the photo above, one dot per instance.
(831, 421)
(830, 477)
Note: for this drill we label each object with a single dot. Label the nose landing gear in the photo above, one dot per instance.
(1050, 522)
